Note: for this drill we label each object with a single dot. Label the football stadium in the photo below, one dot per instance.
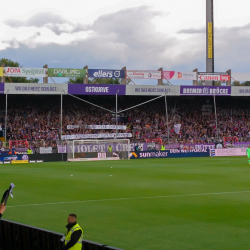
(104, 161)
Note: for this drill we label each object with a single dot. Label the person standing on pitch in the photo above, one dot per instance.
(248, 154)
(73, 237)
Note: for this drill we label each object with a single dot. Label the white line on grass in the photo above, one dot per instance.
(19, 169)
(131, 198)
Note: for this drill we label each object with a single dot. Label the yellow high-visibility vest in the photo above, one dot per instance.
(78, 245)
(162, 147)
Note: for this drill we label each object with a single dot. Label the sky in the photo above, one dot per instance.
(111, 34)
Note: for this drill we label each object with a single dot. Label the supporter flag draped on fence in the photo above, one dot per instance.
(177, 128)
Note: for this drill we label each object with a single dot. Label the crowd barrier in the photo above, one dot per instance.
(16, 236)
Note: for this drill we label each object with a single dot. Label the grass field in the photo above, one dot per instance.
(185, 203)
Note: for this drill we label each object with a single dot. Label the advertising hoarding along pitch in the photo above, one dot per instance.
(205, 90)
(143, 74)
(35, 88)
(59, 72)
(106, 73)
(178, 75)
(24, 72)
(152, 90)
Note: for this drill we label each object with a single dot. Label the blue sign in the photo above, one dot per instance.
(12, 157)
(171, 153)
(106, 73)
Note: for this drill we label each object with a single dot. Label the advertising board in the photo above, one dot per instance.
(35, 88)
(205, 90)
(228, 152)
(24, 72)
(152, 90)
(106, 73)
(179, 75)
(60, 72)
(96, 89)
(171, 153)
(240, 91)
(143, 74)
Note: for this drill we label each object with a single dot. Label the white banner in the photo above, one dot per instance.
(228, 152)
(143, 74)
(91, 136)
(122, 127)
(25, 72)
(35, 88)
(45, 150)
(152, 90)
(179, 75)
(177, 128)
(240, 91)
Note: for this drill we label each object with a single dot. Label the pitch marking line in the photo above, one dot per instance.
(132, 198)
(18, 169)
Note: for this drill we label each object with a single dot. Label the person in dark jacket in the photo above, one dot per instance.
(2, 209)
(73, 237)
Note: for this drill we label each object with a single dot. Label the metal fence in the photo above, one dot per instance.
(16, 236)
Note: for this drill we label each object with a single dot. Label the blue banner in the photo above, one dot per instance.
(106, 73)
(172, 153)
(12, 157)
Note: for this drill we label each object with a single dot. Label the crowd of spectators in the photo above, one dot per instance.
(37, 120)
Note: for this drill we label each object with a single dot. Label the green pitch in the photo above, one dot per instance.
(188, 203)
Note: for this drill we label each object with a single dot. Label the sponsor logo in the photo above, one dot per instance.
(25, 157)
(32, 161)
(13, 70)
(39, 161)
(19, 161)
(149, 75)
(134, 154)
(179, 75)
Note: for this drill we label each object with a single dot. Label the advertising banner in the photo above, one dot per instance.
(1, 71)
(5, 157)
(155, 90)
(240, 91)
(59, 72)
(45, 150)
(100, 147)
(121, 127)
(106, 73)
(35, 88)
(143, 74)
(90, 136)
(177, 75)
(96, 89)
(204, 77)
(25, 72)
(205, 90)
(228, 152)
(171, 153)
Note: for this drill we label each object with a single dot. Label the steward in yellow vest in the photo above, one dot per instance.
(29, 151)
(73, 238)
(162, 147)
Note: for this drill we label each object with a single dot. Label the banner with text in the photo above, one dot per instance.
(35, 88)
(106, 73)
(177, 75)
(121, 127)
(59, 72)
(205, 90)
(228, 152)
(152, 90)
(208, 77)
(96, 89)
(240, 90)
(143, 74)
(90, 136)
(24, 72)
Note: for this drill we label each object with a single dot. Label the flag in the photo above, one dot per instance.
(177, 128)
